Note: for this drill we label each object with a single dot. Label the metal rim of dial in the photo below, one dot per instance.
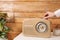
(41, 27)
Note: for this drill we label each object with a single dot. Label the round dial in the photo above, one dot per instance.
(41, 27)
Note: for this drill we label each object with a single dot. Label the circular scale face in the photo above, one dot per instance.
(41, 27)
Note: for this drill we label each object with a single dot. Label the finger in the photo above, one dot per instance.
(46, 14)
(46, 17)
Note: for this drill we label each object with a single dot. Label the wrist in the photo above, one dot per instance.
(54, 15)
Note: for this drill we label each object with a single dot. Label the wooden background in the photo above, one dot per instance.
(18, 10)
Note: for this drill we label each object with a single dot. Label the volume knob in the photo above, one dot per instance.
(41, 27)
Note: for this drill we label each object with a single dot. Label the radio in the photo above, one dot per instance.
(36, 27)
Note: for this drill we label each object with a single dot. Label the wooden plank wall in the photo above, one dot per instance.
(21, 9)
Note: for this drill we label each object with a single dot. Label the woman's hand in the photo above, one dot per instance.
(48, 15)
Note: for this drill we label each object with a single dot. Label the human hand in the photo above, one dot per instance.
(48, 15)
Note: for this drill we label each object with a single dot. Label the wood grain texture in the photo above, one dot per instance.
(53, 21)
(12, 35)
(28, 9)
(35, 6)
(15, 26)
(30, 0)
(15, 29)
(29, 15)
(29, 6)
